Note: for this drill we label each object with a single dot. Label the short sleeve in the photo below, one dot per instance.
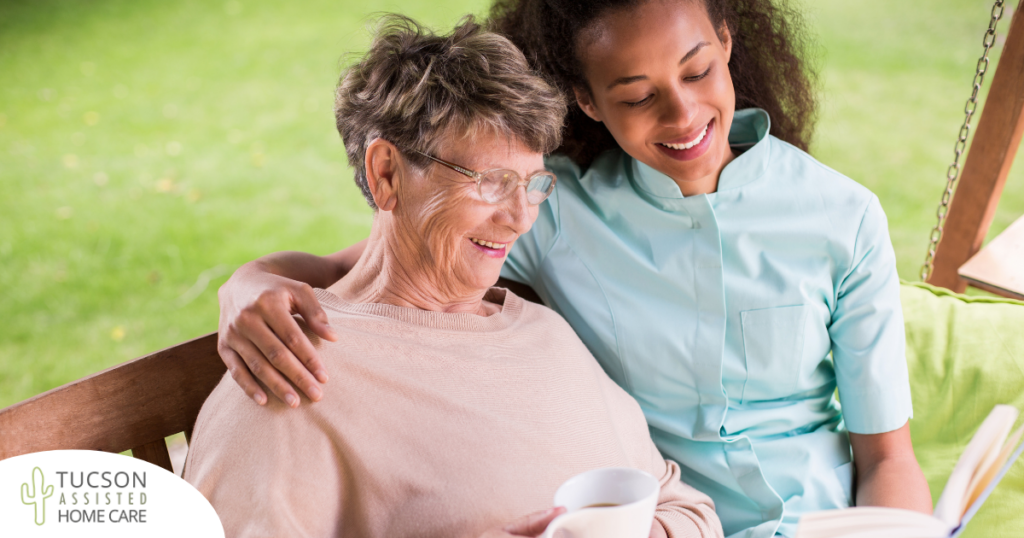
(528, 253)
(867, 333)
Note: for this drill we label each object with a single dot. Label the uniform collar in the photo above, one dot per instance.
(748, 134)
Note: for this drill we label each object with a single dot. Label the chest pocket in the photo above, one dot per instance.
(773, 345)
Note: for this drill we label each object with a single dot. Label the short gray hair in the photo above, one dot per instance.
(414, 88)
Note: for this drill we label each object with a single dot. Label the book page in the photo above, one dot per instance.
(870, 521)
(977, 458)
(994, 482)
(983, 481)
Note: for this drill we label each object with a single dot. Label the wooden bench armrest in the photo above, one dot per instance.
(131, 406)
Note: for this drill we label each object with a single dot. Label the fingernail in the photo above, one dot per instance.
(260, 399)
(314, 392)
(321, 376)
(292, 400)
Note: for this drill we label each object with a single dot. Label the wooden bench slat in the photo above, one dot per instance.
(155, 453)
(130, 405)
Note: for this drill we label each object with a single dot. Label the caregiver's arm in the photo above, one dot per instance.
(869, 354)
(888, 473)
(258, 335)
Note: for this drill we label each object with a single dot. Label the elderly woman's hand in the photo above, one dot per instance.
(532, 525)
(257, 335)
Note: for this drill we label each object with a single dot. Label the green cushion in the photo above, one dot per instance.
(965, 355)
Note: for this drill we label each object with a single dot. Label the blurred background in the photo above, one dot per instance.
(149, 148)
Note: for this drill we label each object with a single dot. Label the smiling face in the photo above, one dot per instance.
(447, 234)
(658, 77)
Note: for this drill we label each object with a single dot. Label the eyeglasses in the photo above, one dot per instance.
(494, 186)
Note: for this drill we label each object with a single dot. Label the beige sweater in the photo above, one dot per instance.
(432, 424)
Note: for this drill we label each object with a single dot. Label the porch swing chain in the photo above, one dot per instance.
(953, 172)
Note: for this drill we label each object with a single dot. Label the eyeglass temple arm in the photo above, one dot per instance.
(453, 166)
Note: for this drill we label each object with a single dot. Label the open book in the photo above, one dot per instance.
(986, 459)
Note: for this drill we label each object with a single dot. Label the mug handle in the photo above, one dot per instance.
(564, 520)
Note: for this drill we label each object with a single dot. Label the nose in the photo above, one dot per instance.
(516, 211)
(678, 108)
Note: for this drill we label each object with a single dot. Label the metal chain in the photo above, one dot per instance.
(953, 172)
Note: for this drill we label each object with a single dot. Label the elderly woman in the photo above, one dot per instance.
(462, 406)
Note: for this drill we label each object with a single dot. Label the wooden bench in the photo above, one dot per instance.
(132, 406)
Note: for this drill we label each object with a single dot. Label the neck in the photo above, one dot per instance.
(709, 183)
(392, 271)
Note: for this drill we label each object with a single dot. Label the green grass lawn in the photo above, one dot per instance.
(149, 148)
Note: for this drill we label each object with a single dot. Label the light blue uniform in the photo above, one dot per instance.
(718, 313)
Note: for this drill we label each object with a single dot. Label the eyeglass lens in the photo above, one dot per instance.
(496, 186)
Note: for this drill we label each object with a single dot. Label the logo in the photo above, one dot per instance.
(87, 494)
(37, 495)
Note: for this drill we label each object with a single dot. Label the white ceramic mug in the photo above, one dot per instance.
(632, 493)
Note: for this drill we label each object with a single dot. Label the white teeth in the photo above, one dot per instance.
(690, 144)
(488, 244)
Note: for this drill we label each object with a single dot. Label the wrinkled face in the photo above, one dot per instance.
(659, 79)
(460, 241)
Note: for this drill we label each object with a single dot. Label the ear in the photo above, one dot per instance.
(586, 103)
(382, 173)
(725, 37)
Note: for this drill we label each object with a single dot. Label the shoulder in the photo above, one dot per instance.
(562, 166)
(608, 171)
(846, 202)
(803, 169)
(550, 332)
(239, 448)
(577, 192)
(548, 337)
(228, 413)
(539, 317)
(230, 428)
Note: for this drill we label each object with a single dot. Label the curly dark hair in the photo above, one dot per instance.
(769, 65)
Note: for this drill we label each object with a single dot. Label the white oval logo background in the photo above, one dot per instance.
(88, 493)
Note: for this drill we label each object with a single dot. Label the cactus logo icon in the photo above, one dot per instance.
(37, 495)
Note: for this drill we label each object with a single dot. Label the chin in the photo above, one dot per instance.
(483, 280)
(686, 173)
(490, 283)
(698, 169)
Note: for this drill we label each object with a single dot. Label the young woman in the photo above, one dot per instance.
(722, 276)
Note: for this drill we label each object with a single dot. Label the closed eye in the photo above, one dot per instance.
(695, 78)
(641, 102)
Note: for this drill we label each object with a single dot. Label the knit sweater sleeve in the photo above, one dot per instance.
(267, 471)
(683, 511)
